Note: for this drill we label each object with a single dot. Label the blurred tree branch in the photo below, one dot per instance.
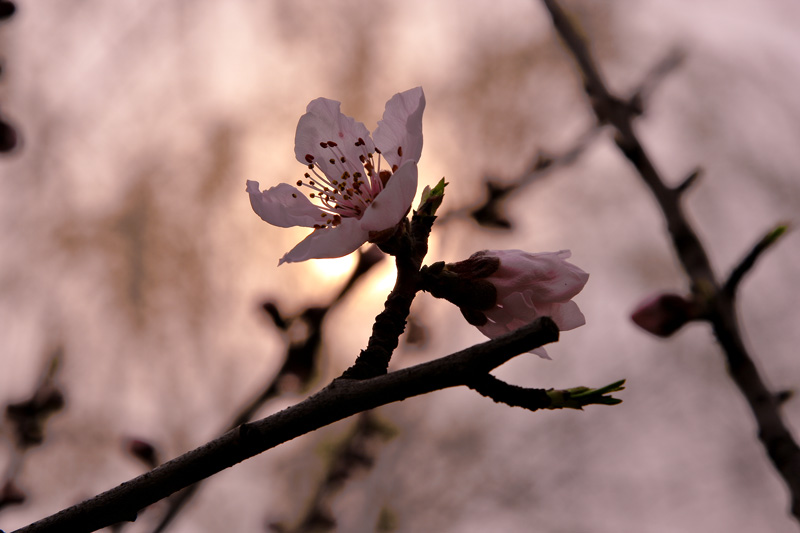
(9, 138)
(27, 420)
(490, 212)
(299, 363)
(620, 114)
(341, 399)
(355, 451)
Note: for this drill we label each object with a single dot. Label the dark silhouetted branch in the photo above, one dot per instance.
(750, 259)
(489, 213)
(299, 362)
(688, 181)
(355, 452)
(27, 421)
(339, 400)
(610, 109)
(535, 399)
(409, 245)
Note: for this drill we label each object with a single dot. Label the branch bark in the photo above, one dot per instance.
(772, 430)
(339, 400)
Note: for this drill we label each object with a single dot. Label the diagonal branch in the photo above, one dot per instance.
(772, 431)
(339, 400)
(300, 361)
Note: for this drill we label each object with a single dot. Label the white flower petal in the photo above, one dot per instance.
(548, 276)
(283, 206)
(394, 201)
(323, 243)
(527, 284)
(506, 324)
(493, 329)
(324, 122)
(402, 127)
(566, 315)
(541, 352)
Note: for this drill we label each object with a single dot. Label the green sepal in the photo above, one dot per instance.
(577, 397)
(431, 198)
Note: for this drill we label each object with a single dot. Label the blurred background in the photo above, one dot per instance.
(128, 248)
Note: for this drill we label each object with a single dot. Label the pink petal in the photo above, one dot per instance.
(541, 352)
(566, 315)
(511, 314)
(664, 314)
(547, 275)
(324, 122)
(493, 329)
(392, 204)
(283, 206)
(402, 127)
(338, 241)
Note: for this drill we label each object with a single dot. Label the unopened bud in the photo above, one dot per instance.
(664, 314)
(143, 450)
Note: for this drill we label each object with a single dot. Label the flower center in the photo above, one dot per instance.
(347, 188)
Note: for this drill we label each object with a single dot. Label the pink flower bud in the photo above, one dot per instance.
(664, 314)
(531, 285)
(142, 450)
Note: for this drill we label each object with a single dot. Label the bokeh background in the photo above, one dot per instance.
(128, 242)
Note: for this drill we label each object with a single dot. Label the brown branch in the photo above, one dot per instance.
(409, 245)
(689, 180)
(27, 421)
(535, 399)
(512, 395)
(9, 138)
(299, 361)
(356, 451)
(752, 256)
(772, 431)
(489, 212)
(339, 400)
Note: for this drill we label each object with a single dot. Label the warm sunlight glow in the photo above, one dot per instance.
(334, 270)
(382, 280)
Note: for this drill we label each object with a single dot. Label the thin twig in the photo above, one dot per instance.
(750, 259)
(772, 431)
(489, 212)
(689, 180)
(339, 400)
(28, 420)
(535, 399)
(355, 452)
